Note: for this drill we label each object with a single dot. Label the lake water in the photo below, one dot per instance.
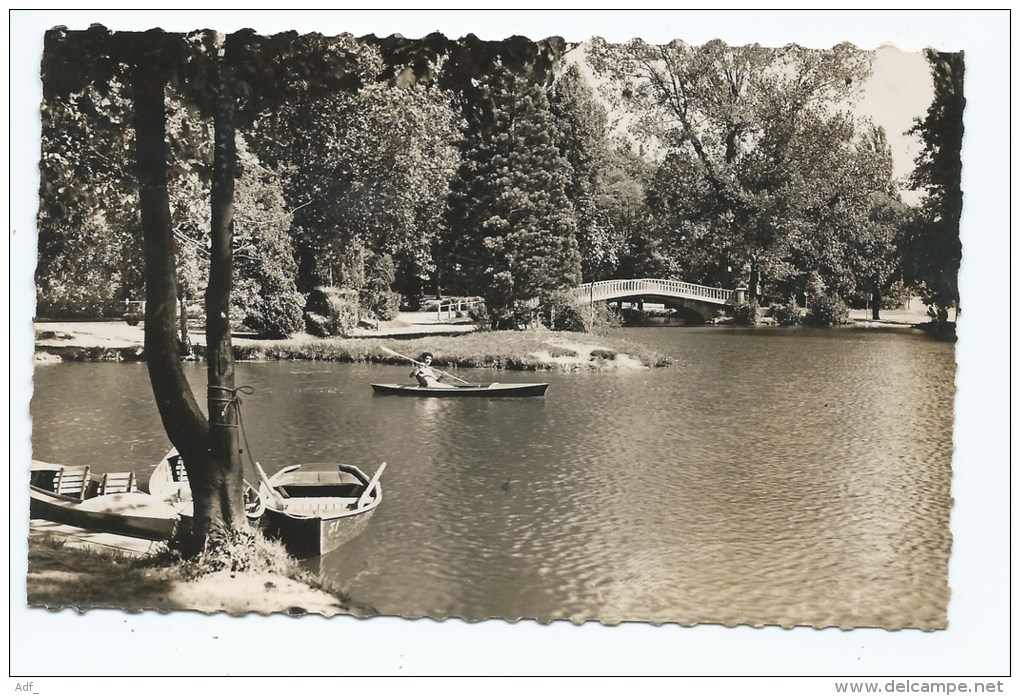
(770, 476)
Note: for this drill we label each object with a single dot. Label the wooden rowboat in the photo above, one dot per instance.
(109, 503)
(169, 480)
(315, 512)
(169, 483)
(491, 390)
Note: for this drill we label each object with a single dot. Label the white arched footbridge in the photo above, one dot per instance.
(706, 301)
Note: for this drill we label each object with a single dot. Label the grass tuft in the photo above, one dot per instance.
(239, 550)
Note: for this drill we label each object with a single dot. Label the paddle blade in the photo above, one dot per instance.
(398, 355)
(269, 487)
(367, 493)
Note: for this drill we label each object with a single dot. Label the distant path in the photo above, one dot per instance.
(118, 334)
(416, 324)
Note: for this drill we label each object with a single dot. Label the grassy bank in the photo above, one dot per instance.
(508, 350)
(252, 576)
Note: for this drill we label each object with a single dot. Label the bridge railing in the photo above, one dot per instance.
(608, 289)
(453, 307)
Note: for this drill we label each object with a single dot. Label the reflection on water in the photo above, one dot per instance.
(770, 476)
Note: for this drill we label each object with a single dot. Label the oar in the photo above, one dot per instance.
(363, 500)
(416, 362)
(272, 491)
(253, 509)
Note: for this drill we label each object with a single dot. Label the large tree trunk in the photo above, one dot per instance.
(208, 446)
(182, 418)
(876, 302)
(940, 316)
(754, 284)
(225, 504)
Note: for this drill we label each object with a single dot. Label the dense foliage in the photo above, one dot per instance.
(581, 137)
(377, 298)
(366, 169)
(562, 313)
(933, 250)
(747, 314)
(88, 248)
(788, 314)
(407, 169)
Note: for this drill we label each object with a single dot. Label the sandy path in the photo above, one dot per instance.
(234, 593)
(118, 334)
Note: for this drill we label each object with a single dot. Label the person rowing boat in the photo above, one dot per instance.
(428, 383)
(426, 375)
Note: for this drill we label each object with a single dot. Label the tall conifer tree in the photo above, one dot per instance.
(513, 230)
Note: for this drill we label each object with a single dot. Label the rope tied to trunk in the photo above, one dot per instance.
(234, 398)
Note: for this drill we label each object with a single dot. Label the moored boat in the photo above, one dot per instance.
(169, 480)
(109, 502)
(169, 483)
(491, 390)
(315, 512)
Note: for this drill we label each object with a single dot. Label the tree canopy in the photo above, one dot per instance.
(713, 164)
(933, 248)
(765, 173)
(366, 169)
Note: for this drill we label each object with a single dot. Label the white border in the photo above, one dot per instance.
(977, 641)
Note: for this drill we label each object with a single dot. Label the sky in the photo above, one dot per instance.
(899, 90)
(977, 641)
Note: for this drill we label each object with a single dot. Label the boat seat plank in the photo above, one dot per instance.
(118, 482)
(72, 481)
(177, 470)
(308, 505)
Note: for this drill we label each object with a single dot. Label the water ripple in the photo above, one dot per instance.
(770, 477)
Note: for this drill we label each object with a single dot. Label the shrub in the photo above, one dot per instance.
(826, 310)
(316, 324)
(383, 305)
(788, 314)
(331, 311)
(376, 295)
(566, 315)
(275, 316)
(515, 316)
(747, 314)
(479, 314)
(563, 315)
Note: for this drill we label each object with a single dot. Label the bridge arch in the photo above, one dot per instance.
(708, 302)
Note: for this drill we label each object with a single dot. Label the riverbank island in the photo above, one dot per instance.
(455, 345)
